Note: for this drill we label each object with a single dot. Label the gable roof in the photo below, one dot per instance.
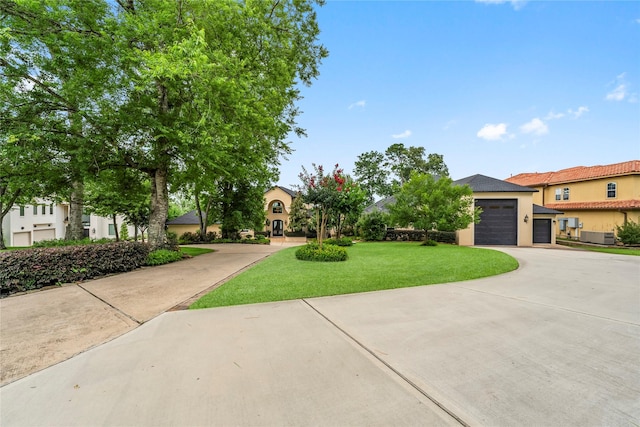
(578, 173)
(537, 209)
(380, 205)
(190, 218)
(292, 193)
(485, 184)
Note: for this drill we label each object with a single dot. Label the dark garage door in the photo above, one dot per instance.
(498, 222)
(541, 231)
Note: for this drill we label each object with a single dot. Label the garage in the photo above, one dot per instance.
(541, 231)
(47, 234)
(498, 222)
(22, 239)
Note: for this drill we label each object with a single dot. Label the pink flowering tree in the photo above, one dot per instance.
(324, 192)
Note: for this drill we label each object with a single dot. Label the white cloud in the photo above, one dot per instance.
(580, 111)
(449, 124)
(535, 126)
(620, 90)
(405, 134)
(553, 116)
(359, 104)
(491, 132)
(516, 4)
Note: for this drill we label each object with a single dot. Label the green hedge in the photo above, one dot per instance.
(212, 237)
(328, 253)
(418, 235)
(343, 241)
(163, 256)
(34, 268)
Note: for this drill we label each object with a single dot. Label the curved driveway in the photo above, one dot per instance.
(556, 342)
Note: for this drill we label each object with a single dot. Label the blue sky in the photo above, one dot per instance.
(497, 87)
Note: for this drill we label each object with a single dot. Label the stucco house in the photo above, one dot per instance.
(46, 220)
(277, 203)
(189, 222)
(594, 199)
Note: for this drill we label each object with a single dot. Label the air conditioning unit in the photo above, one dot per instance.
(603, 238)
(573, 223)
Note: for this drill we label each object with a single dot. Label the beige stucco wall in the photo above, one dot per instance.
(595, 220)
(277, 195)
(525, 230)
(628, 187)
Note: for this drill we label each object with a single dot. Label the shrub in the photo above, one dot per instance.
(35, 268)
(55, 243)
(419, 235)
(372, 226)
(328, 253)
(188, 237)
(343, 241)
(629, 233)
(124, 231)
(162, 256)
(429, 243)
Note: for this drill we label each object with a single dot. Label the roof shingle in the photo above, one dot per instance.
(609, 204)
(578, 173)
(485, 184)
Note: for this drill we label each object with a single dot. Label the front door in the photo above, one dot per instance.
(278, 228)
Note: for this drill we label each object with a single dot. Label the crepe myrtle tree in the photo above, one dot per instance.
(427, 203)
(325, 193)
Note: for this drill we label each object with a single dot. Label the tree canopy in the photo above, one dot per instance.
(158, 87)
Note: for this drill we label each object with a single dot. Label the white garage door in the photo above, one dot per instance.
(48, 234)
(22, 239)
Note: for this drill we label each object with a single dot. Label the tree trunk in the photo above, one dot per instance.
(75, 229)
(115, 227)
(159, 208)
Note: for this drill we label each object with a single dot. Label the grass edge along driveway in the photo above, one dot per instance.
(370, 267)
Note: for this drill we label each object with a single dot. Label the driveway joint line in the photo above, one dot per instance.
(110, 305)
(391, 368)
(557, 307)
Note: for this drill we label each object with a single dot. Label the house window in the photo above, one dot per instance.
(44, 209)
(612, 190)
(277, 208)
(21, 210)
(112, 230)
(565, 193)
(51, 209)
(35, 209)
(558, 193)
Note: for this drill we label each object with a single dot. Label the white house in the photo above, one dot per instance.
(24, 225)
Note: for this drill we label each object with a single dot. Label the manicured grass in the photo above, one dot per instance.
(194, 251)
(370, 267)
(617, 251)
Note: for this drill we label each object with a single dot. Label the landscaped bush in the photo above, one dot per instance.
(629, 233)
(343, 241)
(419, 235)
(295, 233)
(372, 226)
(212, 237)
(429, 243)
(34, 268)
(54, 243)
(163, 256)
(328, 253)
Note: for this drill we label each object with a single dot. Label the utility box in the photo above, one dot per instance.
(573, 223)
(600, 237)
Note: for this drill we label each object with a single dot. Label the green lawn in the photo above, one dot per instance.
(194, 251)
(617, 251)
(370, 267)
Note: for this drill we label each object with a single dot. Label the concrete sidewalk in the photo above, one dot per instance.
(554, 343)
(42, 328)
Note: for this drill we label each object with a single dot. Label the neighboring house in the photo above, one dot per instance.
(189, 222)
(593, 198)
(277, 203)
(45, 220)
(509, 216)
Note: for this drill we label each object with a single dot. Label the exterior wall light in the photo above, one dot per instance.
(526, 218)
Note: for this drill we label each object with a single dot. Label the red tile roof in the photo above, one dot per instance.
(609, 204)
(578, 173)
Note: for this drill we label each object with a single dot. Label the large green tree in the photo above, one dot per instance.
(153, 84)
(382, 174)
(427, 203)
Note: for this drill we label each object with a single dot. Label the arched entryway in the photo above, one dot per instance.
(277, 228)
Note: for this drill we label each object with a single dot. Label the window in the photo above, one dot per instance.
(612, 190)
(51, 209)
(112, 230)
(44, 209)
(21, 210)
(565, 193)
(277, 208)
(35, 209)
(558, 193)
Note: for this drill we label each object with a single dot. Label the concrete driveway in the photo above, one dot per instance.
(554, 343)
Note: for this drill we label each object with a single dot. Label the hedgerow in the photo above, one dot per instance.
(34, 268)
(328, 253)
